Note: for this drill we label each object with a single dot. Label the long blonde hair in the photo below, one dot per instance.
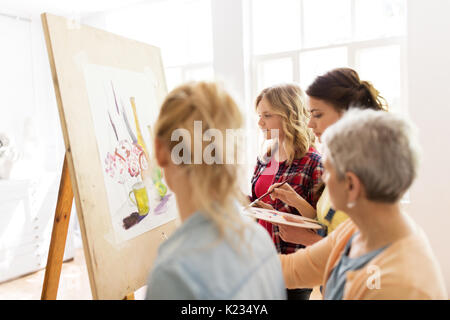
(288, 101)
(214, 187)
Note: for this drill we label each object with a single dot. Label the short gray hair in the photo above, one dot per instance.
(380, 148)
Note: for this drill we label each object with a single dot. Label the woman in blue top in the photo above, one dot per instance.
(215, 253)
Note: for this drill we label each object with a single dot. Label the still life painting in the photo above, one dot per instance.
(124, 108)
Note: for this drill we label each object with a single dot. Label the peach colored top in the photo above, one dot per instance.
(406, 269)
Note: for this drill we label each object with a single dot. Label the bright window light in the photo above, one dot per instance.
(275, 25)
(326, 22)
(300, 40)
(182, 29)
(381, 65)
(316, 62)
(380, 18)
(199, 73)
(274, 71)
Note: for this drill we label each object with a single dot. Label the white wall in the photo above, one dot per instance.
(428, 67)
(28, 114)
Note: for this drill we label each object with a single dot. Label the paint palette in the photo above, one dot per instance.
(278, 217)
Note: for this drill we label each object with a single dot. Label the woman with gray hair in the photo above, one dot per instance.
(370, 161)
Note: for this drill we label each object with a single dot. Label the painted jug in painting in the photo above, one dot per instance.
(141, 198)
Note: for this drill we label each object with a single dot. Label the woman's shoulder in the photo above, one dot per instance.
(411, 268)
(414, 249)
(313, 153)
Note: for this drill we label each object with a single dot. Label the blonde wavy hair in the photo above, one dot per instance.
(289, 102)
(214, 187)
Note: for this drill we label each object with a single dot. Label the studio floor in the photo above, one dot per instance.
(73, 284)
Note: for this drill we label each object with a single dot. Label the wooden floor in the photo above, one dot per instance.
(73, 285)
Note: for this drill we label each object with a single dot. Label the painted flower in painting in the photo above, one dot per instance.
(133, 167)
(124, 149)
(137, 150)
(110, 164)
(128, 158)
(122, 169)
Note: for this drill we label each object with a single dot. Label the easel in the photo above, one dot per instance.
(59, 236)
(82, 178)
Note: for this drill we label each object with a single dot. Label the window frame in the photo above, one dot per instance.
(185, 68)
(353, 46)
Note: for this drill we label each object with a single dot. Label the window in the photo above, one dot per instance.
(381, 66)
(326, 22)
(181, 28)
(378, 19)
(275, 26)
(315, 62)
(297, 40)
(274, 71)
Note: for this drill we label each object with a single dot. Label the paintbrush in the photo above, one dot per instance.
(265, 194)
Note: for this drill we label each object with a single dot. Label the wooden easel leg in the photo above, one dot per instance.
(59, 235)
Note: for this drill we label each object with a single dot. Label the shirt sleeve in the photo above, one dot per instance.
(316, 180)
(304, 183)
(167, 283)
(306, 267)
(308, 181)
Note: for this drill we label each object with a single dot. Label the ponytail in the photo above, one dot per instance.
(342, 88)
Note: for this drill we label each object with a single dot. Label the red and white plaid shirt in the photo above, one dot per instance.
(304, 175)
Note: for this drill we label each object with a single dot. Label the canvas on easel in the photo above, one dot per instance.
(109, 90)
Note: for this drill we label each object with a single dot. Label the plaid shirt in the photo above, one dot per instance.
(305, 174)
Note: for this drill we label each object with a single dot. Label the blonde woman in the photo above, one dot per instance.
(215, 253)
(283, 117)
(379, 252)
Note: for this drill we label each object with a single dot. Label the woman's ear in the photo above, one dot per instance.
(161, 154)
(353, 186)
